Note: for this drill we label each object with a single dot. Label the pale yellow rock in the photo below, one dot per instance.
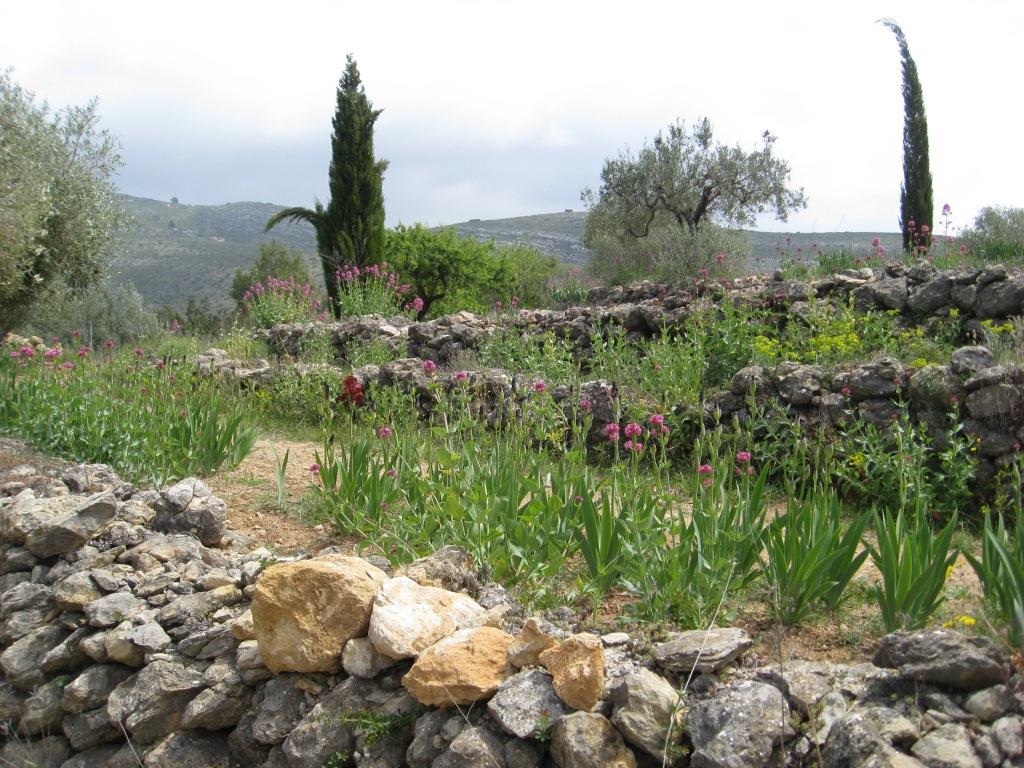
(409, 618)
(242, 627)
(467, 666)
(531, 642)
(304, 612)
(577, 670)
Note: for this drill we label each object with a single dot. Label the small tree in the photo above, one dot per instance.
(58, 208)
(351, 227)
(275, 260)
(686, 180)
(916, 204)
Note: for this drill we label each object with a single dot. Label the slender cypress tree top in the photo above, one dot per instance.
(916, 203)
(355, 177)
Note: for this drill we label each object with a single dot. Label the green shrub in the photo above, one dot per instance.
(105, 312)
(997, 236)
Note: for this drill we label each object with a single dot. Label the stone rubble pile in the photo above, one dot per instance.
(135, 628)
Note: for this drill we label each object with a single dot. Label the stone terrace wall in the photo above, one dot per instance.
(644, 310)
(136, 629)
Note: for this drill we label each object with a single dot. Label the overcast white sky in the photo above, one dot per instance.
(496, 109)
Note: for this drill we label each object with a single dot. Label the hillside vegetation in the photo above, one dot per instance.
(175, 252)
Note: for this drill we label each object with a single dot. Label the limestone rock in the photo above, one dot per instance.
(577, 667)
(526, 704)
(586, 740)
(737, 727)
(20, 661)
(151, 703)
(944, 657)
(191, 748)
(41, 714)
(449, 568)
(991, 703)
(705, 651)
(92, 688)
(217, 708)
(947, 747)
(113, 609)
(190, 507)
(408, 618)
(359, 658)
(644, 708)
(474, 746)
(465, 667)
(304, 612)
(529, 644)
(48, 752)
(242, 626)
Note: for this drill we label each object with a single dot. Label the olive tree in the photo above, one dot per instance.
(59, 210)
(686, 189)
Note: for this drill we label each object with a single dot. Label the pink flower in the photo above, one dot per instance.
(946, 210)
(429, 366)
(720, 258)
(139, 352)
(108, 344)
(585, 404)
(633, 430)
(67, 365)
(743, 457)
(384, 432)
(578, 499)
(704, 469)
(634, 446)
(611, 432)
(515, 301)
(416, 305)
(911, 224)
(875, 243)
(52, 353)
(314, 467)
(656, 419)
(925, 229)
(706, 482)
(460, 376)
(497, 306)
(392, 473)
(84, 351)
(539, 387)
(77, 334)
(845, 391)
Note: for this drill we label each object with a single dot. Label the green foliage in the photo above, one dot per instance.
(450, 272)
(98, 314)
(150, 422)
(809, 559)
(350, 229)
(371, 290)
(274, 301)
(916, 203)
(58, 209)
(686, 181)
(275, 260)
(1001, 572)
(913, 562)
(997, 235)
(900, 465)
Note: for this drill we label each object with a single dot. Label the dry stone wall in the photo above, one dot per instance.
(137, 629)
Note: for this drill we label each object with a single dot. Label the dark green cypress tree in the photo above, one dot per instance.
(356, 208)
(351, 226)
(916, 194)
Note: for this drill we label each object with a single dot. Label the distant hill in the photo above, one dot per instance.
(561, 235)
(175, 252)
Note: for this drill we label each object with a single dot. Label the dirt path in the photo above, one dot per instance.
(250, 491)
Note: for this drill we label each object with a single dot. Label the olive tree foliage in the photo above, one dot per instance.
(59, 210)
(676, 200)
(997, 234)
(102, 312)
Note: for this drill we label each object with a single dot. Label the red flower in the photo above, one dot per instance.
(353, 391)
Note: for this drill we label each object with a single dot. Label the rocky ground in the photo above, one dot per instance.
(137, 629)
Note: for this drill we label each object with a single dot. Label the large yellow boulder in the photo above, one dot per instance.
(304, 612)
(467, 666)
(577, 670)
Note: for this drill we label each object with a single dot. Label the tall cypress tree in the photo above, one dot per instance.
(350, 229)
(916, 193)
(356, 208)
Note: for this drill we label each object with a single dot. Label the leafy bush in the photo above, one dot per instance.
(997, 235)
(373, 290)
(280, 301)
(275, 261)
(101, 313)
